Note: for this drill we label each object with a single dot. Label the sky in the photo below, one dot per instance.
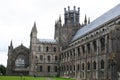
(18, 16)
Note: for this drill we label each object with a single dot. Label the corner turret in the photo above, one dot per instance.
(34, 29)
(58, 25)
(33, 34)
(10, 48)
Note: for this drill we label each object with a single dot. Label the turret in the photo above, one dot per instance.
(58, 25)
(34, 30)
(71, 16)
(10, 48)
(33, 42)
(33, 36)
(10, 51)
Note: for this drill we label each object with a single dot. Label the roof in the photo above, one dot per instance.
(112, 13)
(21, 48)
(47, 40)
(34, 29)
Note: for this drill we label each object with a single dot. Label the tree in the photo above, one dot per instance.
(2, 69)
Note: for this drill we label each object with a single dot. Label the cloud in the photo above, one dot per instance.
(17, 18)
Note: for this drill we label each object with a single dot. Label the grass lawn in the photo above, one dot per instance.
(56, 78)
(30, 78)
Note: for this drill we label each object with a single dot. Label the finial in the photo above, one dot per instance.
(55, 22)
(21, 44)
(60, 18)
(11, 46)
(68, 8)
(85, 20)
(64, 9)
(74, 8)
(88, 20)
(34, 23)
(11, 43)
(34, 29)
(78, 9)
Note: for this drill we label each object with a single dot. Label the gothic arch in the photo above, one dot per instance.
(20, 61)
(102, 64)
(88, 65)
(94, 65)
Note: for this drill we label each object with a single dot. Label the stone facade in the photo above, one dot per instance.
(88, 51)
(18, 60)
(44, 56)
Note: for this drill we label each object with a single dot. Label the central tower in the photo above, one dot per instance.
(71, 17)
(64, 33)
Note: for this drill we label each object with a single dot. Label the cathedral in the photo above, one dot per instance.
(87, 51)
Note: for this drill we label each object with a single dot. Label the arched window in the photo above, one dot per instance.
(74, 52)
(88, 66)
(56, 58)
(78, 67)
(88, 47)
(95, 46)
(54, 49)
(102, 64)
(94, 65)
(70, 53)
(83, 66)
(48, 68)
(74, 67)
(39, 48)
(78, 49)
(41, 69)
(64, 68)
(49, 58)
(67, 68)
(83, 49)
(41, 57)
(67, 54)
(70, 67)
(20, 61)
(102, 42)
(47, 49)
(55, 68)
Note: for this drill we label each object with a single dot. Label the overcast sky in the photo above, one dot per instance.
(17, 18)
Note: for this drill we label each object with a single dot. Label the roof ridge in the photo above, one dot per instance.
(110, 14)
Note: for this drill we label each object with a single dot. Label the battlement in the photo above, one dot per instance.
(74, 9)
(71, 17)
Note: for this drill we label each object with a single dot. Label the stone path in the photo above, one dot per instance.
(49, 78)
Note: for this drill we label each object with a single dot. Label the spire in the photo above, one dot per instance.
(34, 29)
(11, 46)
(85, 20)
(59, 18)
(21, 44)
(68, 8)
(74, 8)
(88, 20)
